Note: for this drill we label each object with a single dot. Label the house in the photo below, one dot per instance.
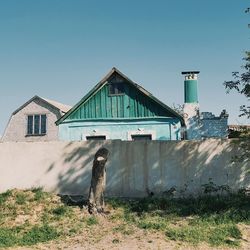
(35, 121)
(118, 108)
(201, 125)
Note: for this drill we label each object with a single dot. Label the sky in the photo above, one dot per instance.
(59, 49)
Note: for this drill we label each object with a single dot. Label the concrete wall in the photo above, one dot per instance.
(132, 169)
(159, 128)
(16, 129)
(205, 124)
(214, 126)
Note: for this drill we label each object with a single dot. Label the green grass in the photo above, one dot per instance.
(8, 237)
(13, 236)
(39, 234)
(39, 193)
(61, 211)
(92, 221)
(4, 196)
(152, 222)
(211, 219)
(21, 198)
(228, 234)
(28, 217)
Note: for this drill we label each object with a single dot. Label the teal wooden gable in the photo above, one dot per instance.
(129, 101)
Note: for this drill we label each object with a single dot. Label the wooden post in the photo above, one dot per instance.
(98, 181)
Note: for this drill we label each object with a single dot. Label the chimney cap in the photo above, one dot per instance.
(189, 72)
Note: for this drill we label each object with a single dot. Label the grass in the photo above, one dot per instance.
(39, 193)
(211, 219)
(28, 217)
(4, 196)
(92, 221)
(15, 236)
(39, 234)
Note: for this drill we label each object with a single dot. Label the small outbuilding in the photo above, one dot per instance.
(118, 108)
(35, 121)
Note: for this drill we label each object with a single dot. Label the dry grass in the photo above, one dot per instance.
(41, 220)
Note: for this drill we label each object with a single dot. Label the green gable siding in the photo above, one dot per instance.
(133, 104)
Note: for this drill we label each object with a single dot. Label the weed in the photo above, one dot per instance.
(4, 196)
(124, 229)
(76, 228)
(46, 216)
(8, 237)
(156, 223)
(211, 218)
(92, 221)
(11, 210)
(192, 235)
(61, 210)
(115, 241)
(21, 198)
(39, 234)
(39, 193)
(225, 235)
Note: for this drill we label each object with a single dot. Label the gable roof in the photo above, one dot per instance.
(59, 106)
(63, 107)
(103, 81)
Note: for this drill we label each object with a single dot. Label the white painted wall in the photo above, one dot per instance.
(133, 167)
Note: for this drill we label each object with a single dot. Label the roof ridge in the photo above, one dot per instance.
(103, 81)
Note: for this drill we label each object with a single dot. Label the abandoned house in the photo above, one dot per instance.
(118, 108)
(35, 121)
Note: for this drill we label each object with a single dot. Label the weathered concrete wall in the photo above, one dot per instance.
(214, 126)
(132, 169)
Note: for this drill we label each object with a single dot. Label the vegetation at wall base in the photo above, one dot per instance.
(28, 218)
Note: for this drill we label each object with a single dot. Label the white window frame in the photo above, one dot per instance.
(141, 132)
(95, 133)
(33, 127)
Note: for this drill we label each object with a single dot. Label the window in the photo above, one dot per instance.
(36, 125)
(116, 89)
(141, 137)
(116, 85)
(96, 137)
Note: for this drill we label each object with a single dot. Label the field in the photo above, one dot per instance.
(39, 220)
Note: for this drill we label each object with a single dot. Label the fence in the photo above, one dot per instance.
(133, 170)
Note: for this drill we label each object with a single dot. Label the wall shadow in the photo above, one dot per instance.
(146, 168)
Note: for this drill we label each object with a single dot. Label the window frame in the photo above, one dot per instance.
(93, 136)
(95, 133)
(141, 131)
(33, 124)
(115, 87)
(141, 135)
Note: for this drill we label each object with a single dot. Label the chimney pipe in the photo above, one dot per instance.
(190, 86)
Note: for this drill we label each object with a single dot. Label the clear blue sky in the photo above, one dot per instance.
(59, 49)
